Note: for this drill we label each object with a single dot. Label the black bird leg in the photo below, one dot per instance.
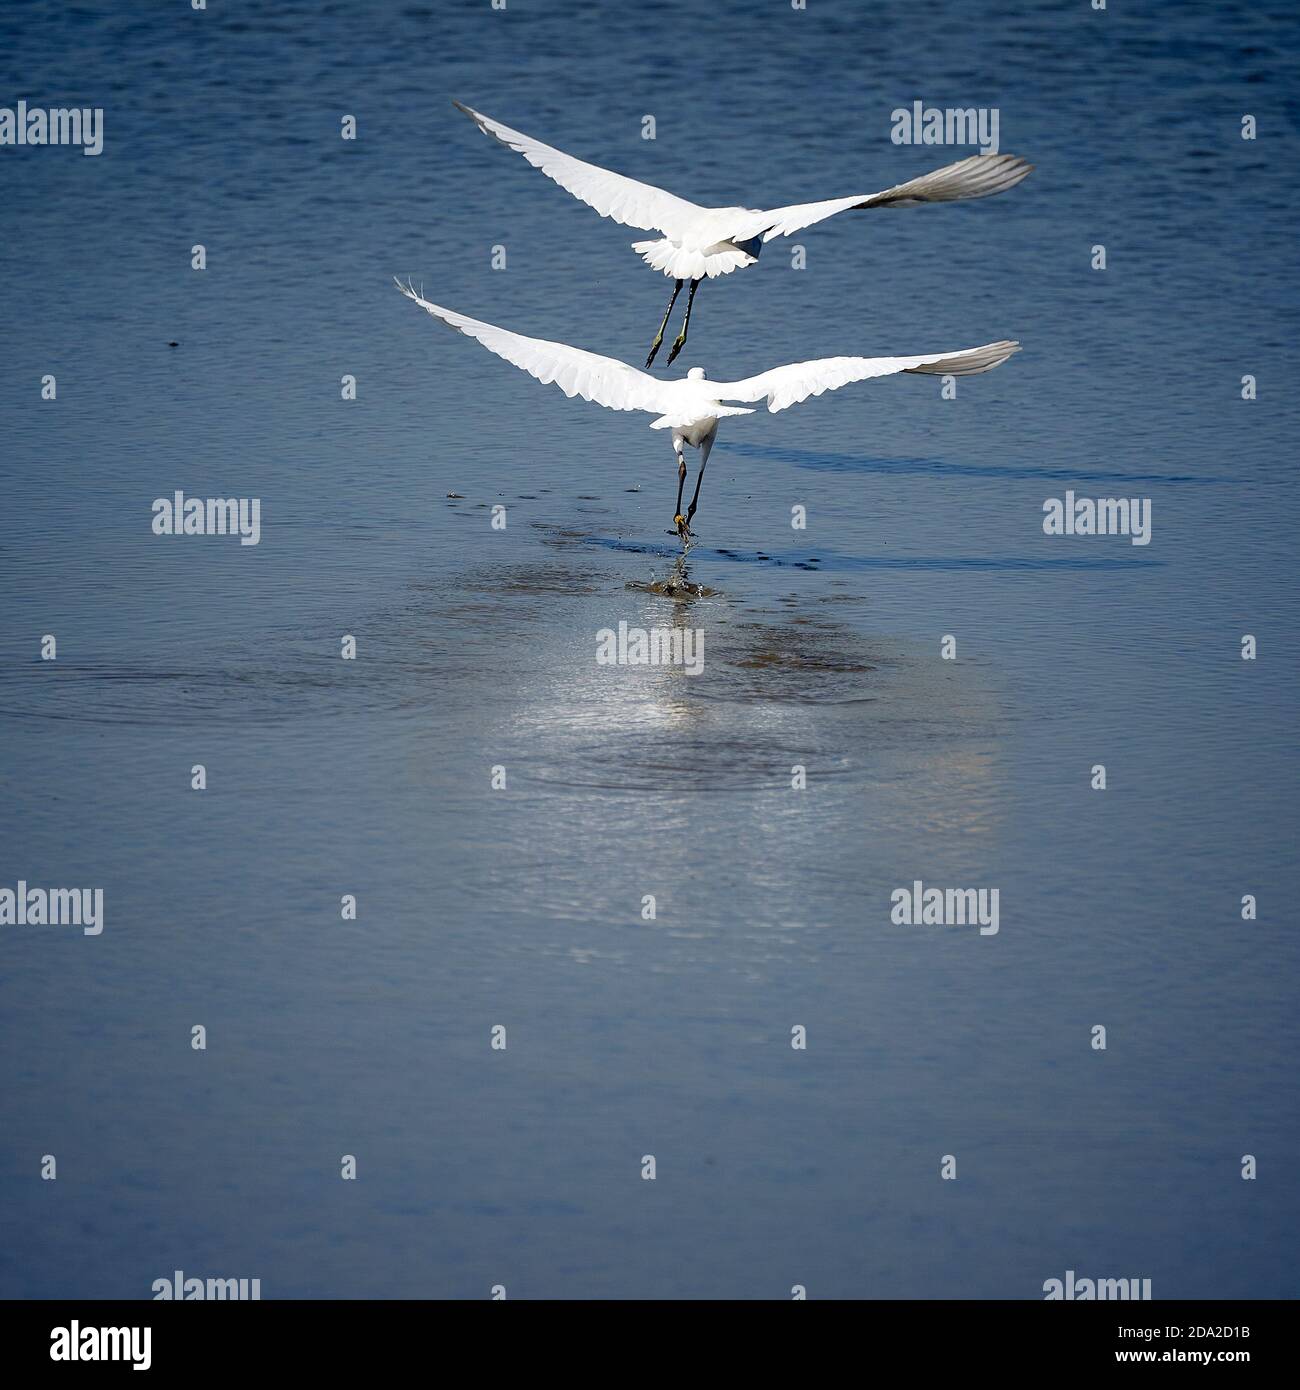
(659, 337)
(686, 325)
(679, 521)
(695, 501)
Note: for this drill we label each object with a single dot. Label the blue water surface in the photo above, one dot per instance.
(522, 907)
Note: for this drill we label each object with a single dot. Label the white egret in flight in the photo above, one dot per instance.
(700, 243)
(692, 405)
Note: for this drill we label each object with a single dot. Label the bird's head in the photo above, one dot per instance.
(695, 374)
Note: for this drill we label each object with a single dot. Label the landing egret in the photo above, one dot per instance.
(692, 405)
(700, 243)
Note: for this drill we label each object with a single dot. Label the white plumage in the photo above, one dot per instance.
(576, 373)
(691, 406)
(700, 242)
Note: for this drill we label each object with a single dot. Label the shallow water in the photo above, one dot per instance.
(477, 650)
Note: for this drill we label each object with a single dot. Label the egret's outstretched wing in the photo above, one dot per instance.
(787, 386)
(980, 176)
(612, 195)
(576, 373)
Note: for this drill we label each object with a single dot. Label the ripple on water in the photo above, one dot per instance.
(508, 653)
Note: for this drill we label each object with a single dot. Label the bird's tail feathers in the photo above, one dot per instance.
(680, 263)
(682, 421)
